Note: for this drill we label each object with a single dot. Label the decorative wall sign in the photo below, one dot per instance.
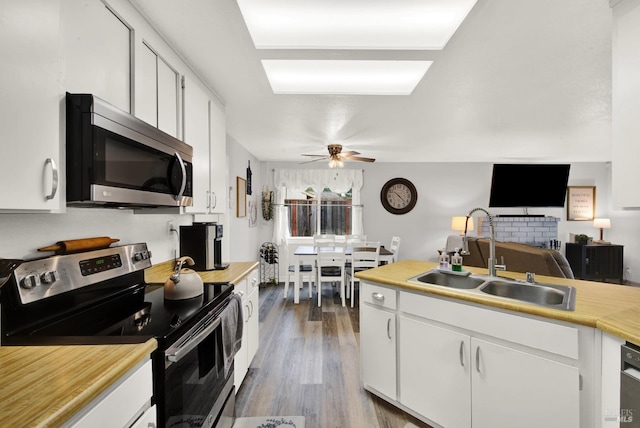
(241, 197)
(253, 212)
(581, 203)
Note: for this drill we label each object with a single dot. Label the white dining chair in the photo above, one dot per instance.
(364, 255)
(395, 248)
(306, 272)
(330, 261)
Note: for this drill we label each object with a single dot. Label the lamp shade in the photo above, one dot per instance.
(602, 223)
(457, 223)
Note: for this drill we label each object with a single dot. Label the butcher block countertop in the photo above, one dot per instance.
(612, 308)
(44, 386)
(159, 273)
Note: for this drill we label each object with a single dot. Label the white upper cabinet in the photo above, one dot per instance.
(625, 104)
(157, 91)
(218, 159)
(97, 52)
(196, 134)
(31, 103)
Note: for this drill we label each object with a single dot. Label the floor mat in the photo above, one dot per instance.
(270, 422)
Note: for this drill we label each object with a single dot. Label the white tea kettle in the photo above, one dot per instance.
(185, 283)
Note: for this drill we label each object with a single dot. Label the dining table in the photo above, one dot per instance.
(306, 255)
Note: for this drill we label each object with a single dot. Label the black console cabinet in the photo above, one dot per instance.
(597, 262)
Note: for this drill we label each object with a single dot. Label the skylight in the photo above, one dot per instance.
(353, 24)
(345, 77)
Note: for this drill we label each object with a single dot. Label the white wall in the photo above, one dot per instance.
(448, 189)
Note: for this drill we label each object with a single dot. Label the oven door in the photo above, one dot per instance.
(196, 386)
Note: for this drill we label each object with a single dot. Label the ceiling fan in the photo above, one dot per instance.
(337, 157)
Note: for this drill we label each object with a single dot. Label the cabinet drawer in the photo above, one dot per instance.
(378, 296)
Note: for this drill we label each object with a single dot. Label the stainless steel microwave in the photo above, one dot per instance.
(117, 160)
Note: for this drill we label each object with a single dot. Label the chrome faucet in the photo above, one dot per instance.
(492, 262)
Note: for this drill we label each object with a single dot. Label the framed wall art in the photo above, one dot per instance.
(581, 203)
(241, 197)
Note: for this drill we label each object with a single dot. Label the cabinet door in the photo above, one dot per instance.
(435, 378)
(625, 104)
(514, 388)
(254, 311)
(241, 359)
(168, 84)
(30, 101)
(196, 134)
(218, 171)
(378, 349)
(97, 52)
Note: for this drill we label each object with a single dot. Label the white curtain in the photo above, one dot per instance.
(292, 181)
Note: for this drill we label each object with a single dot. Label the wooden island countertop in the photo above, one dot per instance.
(44, 386)
(612, 308)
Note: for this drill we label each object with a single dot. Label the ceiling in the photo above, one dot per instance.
(520, 81)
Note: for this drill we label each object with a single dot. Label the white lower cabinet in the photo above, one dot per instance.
(378, 339)
(126, 404)
(518, 389)
(461, 365)
(435, 372)
(456, 380)
(249, 288)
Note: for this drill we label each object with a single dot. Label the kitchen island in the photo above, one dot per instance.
(503, 361)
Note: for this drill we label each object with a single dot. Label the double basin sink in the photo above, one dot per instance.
(548, 295)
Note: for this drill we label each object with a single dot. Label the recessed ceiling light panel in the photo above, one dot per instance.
(346, 77)
(353, 24)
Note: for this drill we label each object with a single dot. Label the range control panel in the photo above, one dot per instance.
(50, 276)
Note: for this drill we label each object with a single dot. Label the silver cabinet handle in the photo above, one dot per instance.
(389, 328)
(251, 313)
(378, 296)
(214, 200)
(246, 319)
(54, 178)
(478, 359)
(462, 353)
(184, 177)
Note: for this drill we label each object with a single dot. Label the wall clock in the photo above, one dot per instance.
(398, 196)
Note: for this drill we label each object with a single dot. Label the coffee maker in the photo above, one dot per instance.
(203, 243)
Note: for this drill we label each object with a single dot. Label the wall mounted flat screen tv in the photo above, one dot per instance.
(529, 185)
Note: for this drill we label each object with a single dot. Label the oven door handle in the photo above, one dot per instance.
(176, 353)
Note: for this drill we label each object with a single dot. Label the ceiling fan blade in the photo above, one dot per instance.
(349, 153)
(319, 156)
(314, 160)
(360, 158)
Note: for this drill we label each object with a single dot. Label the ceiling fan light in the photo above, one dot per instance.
(336, 163)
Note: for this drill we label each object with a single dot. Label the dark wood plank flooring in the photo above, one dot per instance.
(308, 364)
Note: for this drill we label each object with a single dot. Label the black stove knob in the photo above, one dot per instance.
(30, 281)
(175, 321)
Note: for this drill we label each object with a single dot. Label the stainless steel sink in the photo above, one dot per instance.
(545, 295)
(449, 280)
(548, 295)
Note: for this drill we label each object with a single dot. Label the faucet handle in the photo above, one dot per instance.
(531, 277)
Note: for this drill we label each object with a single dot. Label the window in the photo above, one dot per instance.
(335, 213)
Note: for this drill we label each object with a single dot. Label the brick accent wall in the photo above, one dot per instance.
(537, 231)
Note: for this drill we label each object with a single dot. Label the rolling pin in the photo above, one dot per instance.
(76, 245)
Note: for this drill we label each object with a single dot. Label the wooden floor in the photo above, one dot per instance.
(308, 364)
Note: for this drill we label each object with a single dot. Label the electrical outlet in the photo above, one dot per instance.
(170, 227)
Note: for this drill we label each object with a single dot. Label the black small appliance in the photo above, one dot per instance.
(203, 243)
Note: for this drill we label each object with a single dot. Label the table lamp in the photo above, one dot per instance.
(601, 223)
(457, 223)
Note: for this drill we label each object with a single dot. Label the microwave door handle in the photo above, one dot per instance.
(184, 178)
